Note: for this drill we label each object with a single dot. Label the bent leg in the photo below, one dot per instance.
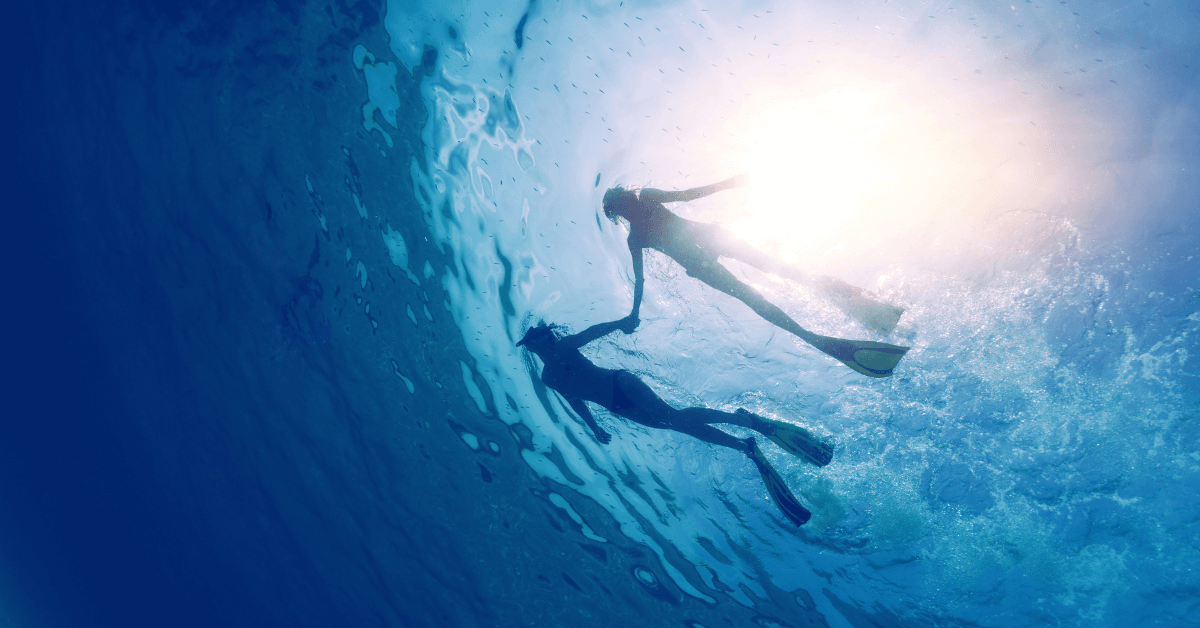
(708, 415)
(721, 243)
(650, 410)
(733, 248)
(720, 278)
(873, 359)
(874, 314)
(711, 434)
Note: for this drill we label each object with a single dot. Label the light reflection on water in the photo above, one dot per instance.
(1026, 455)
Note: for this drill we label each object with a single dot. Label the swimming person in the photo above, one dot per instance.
(697, 246)
(578, 380)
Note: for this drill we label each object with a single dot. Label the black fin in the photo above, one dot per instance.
(780, 493)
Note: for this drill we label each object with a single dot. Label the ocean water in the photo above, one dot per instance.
(269, 261)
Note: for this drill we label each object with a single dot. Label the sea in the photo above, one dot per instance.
(269, 261)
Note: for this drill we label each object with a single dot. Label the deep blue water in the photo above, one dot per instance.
(268, 261)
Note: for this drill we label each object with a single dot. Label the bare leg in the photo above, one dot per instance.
(650, 410)
(729, 246)
(720, 278)
(874, 314)
(712, 435)
(708, 415)
(873, 359)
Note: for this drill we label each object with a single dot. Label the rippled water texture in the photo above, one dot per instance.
(1029, 462)
(1018, 177)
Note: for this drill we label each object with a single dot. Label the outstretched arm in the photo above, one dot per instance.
(599, 330)
(627, 324)
(581, 409)
(660, 196)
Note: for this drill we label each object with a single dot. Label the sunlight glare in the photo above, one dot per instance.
(848, 169)
(812, 162)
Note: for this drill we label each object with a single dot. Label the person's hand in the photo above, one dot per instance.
(628, 324)
(602, 436)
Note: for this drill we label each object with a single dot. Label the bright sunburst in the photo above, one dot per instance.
(813, 164)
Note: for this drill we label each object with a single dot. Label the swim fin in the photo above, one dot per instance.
(780, 494)
(880, 318)
(873, 359)
(874, 314)
(791, 438)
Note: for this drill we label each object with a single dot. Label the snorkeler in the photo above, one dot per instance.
(577, 379)
(697, 246)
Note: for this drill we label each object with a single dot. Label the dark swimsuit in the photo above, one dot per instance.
(620, 400)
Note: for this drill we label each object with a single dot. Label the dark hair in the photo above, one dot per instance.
(541, 331)
(615, 197)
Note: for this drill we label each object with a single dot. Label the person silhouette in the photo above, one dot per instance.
(579, 380)
(697, 247)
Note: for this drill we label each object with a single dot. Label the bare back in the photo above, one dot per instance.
(575, 376)
(685, 241)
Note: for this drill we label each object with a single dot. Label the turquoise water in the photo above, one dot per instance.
(297, 244)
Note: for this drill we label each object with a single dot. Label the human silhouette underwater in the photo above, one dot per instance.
(577, 379)
(697, 247)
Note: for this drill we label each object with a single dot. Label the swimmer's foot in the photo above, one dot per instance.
(791, 438)
(780, 494)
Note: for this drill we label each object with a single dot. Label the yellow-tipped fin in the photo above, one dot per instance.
(873, 359)
(791, 438)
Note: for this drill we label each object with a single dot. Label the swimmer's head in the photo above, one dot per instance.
(539, 336)
(616, 200)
